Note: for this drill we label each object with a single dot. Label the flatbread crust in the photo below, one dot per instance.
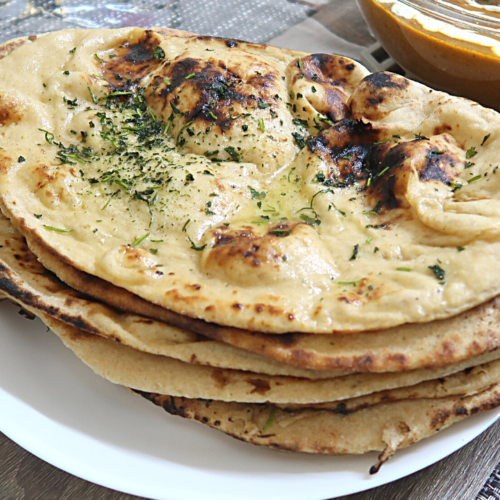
(408, 347)
(328, 277)
(152, 373)
(385, 427)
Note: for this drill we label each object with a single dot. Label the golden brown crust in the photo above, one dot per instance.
(403, 348)
(385, 427)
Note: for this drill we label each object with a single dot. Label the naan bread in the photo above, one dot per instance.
(385, 427)
(27, 281)
(264, 189)
(152, 373)
(408, 347)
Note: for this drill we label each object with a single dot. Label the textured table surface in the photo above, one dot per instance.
(457, 477)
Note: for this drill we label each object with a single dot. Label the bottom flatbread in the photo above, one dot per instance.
(385, 427)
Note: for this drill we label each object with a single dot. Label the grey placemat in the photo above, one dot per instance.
(257, 20)
(491, 490)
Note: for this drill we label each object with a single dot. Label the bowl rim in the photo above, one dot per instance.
(458, 15)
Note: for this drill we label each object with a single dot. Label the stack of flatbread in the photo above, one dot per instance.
(276, 244)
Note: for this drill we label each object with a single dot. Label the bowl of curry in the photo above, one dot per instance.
(451, 45)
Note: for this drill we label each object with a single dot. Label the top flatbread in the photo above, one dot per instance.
(251, 186)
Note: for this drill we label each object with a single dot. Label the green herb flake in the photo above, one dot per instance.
(140, 240)
(57, 230)
(300, 64)
(177, 141)
(474, 179)
(21, 159)
(486, 137)
(471, 152)
(460, 249)
(38, 216)
(256, 194)
(310, 220)
(270, 419)
(159, 53)
(190, 76)
(92, 96)
(153, 251)
(347, 283)
(354, 252)
(404, 269)
(261, 125)
(438, 272)
(195, 247)
(235, 156)
(263, 105)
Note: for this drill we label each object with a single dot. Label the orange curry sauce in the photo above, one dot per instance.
(460, 67)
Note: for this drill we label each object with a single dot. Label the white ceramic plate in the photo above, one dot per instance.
(58, 409)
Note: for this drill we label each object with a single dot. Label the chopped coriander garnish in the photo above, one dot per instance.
(300, 63)
(57, 230)
(310, 220)
(474, 179)
(284, 232)
(261, 125)
(21, 159)
(157, 241)
(405, 269)
(469, 164)
(38, 216)
(139, 240)
(460, 249)
(114, 94)
(263, 105)
(256, 194)
(486, 137)
(374, 210)
(154, 251)
(72, 51)
(94, 100)
(438, 272)
(471, 152)
(313, 89)
(354, 252)
(232, 153)
(197, 248)
(182, 130)
(270, 419)
(159, 53)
